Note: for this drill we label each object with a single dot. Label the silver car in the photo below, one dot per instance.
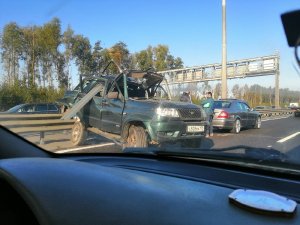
(234, 114)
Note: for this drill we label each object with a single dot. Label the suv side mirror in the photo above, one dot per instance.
(112, 95)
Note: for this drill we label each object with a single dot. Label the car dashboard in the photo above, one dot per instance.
(129, 189)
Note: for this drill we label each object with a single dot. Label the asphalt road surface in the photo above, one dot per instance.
(278, 133)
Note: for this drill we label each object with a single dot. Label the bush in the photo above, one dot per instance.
(19, 93)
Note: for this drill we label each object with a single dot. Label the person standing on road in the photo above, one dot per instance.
(208, 104)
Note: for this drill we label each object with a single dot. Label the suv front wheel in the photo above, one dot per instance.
(79, 133)
(137, 137)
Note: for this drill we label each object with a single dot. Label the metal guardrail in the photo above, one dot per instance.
(35, 123)
(275, 112)
(42, 123)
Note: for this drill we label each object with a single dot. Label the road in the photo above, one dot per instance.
(279, 133)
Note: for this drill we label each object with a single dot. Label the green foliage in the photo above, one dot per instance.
(81, 51)
(40, 55)
(158, 58)
(144, 59)
(258, 95)
(12, 47)
(19, 93)
(119, 53)
(195, 100)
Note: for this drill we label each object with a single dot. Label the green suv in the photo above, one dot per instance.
(136, 107)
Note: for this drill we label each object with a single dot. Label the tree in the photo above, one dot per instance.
(160, 57)
(157, 58)
(144, 59)
(11, 45)
(62, 76)
(48, 41)
(177, 64)
(67, 39)
(120, 55)
(81, 52)
(29, 53)
(236, 91)
(217, 91)
(97, 59)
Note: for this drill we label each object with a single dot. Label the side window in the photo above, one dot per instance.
(52, 107)
(41, 108)
(240, 106)
(27, 108)
(161, 93)
(100, 93)
(134, 91)
(116, 87)
(244, 107)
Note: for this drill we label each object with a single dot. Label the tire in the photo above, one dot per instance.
(137, 137)
(258, 123)
(191, 143)
(236, 127)
(79, 134)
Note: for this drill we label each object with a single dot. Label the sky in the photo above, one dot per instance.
(191, 28)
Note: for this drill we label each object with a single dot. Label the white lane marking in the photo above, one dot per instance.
(276, 118)
(288, 137)
(81, 148)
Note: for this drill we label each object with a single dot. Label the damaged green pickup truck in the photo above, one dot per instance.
(135, 106)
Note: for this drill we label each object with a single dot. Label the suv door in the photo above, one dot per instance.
(113, 106)
(93, 111)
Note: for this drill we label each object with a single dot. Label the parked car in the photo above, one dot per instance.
(234, 114)
(263, 107)
(44, 108)
(297, 112)
(71, 96)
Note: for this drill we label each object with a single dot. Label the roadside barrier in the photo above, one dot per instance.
(35, 123)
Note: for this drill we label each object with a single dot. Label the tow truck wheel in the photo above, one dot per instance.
(137, 137)
(79, 134)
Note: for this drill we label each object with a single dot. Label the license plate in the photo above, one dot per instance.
(195, 128)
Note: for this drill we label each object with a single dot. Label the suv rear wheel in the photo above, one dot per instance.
(137, 137)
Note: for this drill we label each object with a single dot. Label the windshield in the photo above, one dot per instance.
(213, 78)
(15, 108)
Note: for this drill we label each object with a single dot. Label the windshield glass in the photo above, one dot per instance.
(15, 108)
(219, 77)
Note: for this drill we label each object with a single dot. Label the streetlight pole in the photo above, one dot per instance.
(224, 68)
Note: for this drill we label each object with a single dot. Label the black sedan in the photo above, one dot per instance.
(235, 114)
(40, 108)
